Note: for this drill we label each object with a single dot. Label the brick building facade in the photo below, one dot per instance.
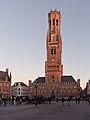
(54, 83)
(5, 84)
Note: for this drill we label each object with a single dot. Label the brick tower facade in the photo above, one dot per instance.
(53, 64)
(54, 84)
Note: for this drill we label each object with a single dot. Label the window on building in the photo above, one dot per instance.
(50, 39)
(4, 84)
(54, 50)
(7, 84)
(56, 22)
(51, 51)
(18, 89)
(53, 22)
(53, 38)
(7, 89)
(0, 84)
(50, 23)
(57, 37)
(4, 95)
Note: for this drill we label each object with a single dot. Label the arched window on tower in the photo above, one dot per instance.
(53, 22)
(56, 22)
(50, 39)
(50, 23)
(51, 51)
(54, 50)
(57, 37)
(53, 38)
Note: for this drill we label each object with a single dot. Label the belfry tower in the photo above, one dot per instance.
(53, 64)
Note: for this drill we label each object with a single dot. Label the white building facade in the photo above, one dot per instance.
(20, 89)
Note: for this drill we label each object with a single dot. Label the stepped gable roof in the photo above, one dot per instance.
(40, 80)
(68, 79)
(2, 75)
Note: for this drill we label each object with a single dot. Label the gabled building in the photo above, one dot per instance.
(20, 89)
(5, 84)
(54, 83)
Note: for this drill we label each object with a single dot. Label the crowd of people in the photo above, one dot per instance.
(10, 101)
(38, 100)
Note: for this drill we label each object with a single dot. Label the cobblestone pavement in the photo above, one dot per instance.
(53, 111)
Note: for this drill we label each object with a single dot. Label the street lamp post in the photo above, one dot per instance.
(36, 94)
(57, 96)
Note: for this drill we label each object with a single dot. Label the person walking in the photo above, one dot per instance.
(69, 100)
(89, 101)
(62, 100)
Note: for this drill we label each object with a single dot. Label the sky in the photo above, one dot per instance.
(23, 28)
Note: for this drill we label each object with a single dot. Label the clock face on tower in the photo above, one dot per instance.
(53, 59)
